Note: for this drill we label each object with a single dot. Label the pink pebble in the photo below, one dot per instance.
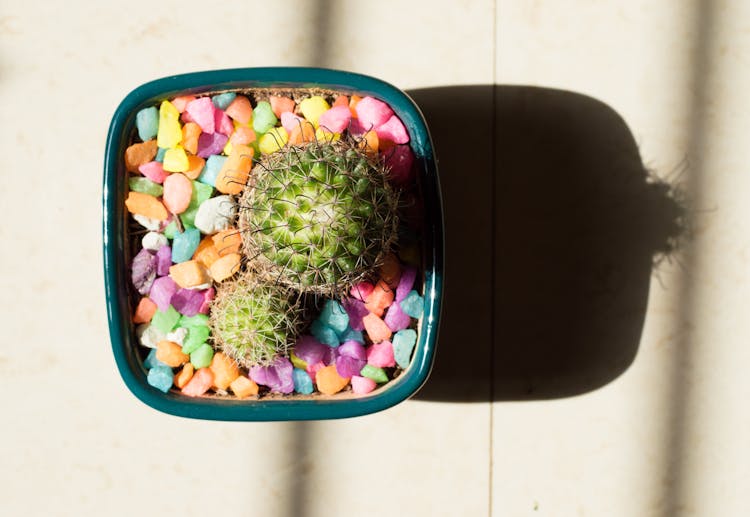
(177, 192)
(290, 121)
(362, 290)
(199, 383)
(381, 355)
(153, 171)
(336, 119)
(208, 296)
(355, 127)
(408, 275)
(396, 318)
(362, 385)
(222, 122)
(376, 328)
(163, 260)
(181, 102)
(372, 112)
(202, 112)
(162, 291)
(400, 163)
(393, 130)
(185, 117)
(312, 369)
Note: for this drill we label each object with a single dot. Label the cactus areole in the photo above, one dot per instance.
(318, 218)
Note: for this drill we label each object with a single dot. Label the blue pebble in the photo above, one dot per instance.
(160, 154)
(302, 382)
(403, 344)
(151, 360)
(160, 377)
(325, 334)
(413, 304)
(211, 169)
(185, 244)
(352, 335)
(334, 315)
(223, 100)
(147, 122)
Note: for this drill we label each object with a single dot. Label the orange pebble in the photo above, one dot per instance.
(329, 381)
(302, 132)
(242, 135)
(182, 101)
(228, 241)
(138, 154)
(369, 143)
(225, 370)
(281, 104)
(243, 387)
(144, 311)
(190, 273)
(190, 133)
(390, 270)
(341, 100)
(195, 166)
(146, 205)
(206, 252)
(240, 110)
(380, 298)
(199, 383)
(235, 171)
(184, 375)
(170, 353)
(376, 328)
(225, 266)
(353, 104)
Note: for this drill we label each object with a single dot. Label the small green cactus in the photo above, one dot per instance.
(254, 322)
(318, 218)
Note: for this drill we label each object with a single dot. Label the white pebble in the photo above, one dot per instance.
(149, 335)
(177, 336)
(215, 214)
(149, 224)
(154, 241)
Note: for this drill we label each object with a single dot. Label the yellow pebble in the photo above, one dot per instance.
(313, 107)
(176, 160)
(323, 135)
(273, 140)
(228, 148)
(170, 132)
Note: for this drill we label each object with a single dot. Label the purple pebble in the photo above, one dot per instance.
(212, 143)
(310, 349)
(396, 319)
(330, 355)
(163, 260)
(408, 275)
(349, 366)
(143, 271)
(162, 291)
(400, 162)
(278, 376)
(353, 349)
(356, 310)
(188, 301)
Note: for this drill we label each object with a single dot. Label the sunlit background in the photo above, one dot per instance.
(638, 406)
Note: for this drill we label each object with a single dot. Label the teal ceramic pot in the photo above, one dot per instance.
(129, 354)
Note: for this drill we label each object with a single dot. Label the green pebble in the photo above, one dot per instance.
(171, 230)
(199, 320)
(147, 122)
(263, 117)
(145, 186)
(165, 321)
(374, 373)
(201, 357)
(196, 336)
(201, 192)
(223, 100)
(403, 345)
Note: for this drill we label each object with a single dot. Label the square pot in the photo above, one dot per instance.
(128, 352)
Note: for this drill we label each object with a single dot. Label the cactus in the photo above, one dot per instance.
(254, 322)
(318, 218)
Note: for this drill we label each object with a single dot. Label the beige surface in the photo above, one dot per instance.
(666, 437)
